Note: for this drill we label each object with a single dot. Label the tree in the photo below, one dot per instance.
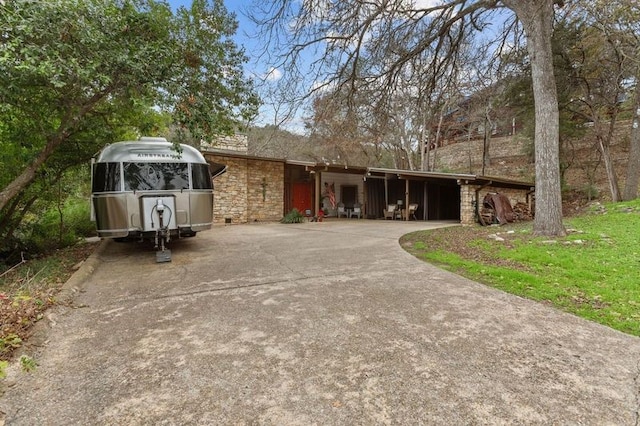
(599, 60)
(598, 100)
(519, 94)
(205, 89)
(371, 44)
(73, 71)
(537, 19)
(335, 130)
(633, 167)
(599, 63)
(37, 197)
(624, 18)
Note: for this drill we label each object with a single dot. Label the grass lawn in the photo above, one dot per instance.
(594, 272)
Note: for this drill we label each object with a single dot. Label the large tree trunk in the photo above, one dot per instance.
(68, 123)
(10, 222)
(633, 167)
(436, 142)
(424, 143)
(29, 173)
(537, 19)
(427, 153)
(611, 173)
(604, 144)
(486, 141)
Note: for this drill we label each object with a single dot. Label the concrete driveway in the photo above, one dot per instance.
(317, 323)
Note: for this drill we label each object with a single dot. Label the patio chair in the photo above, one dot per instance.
(390, 211)
(357, 211)
(411, 212)
(341, 210)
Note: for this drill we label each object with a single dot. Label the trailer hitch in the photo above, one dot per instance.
(163, 235)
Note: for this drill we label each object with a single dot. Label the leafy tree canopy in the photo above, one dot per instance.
(77, 74)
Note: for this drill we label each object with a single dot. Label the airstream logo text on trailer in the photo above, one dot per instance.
(157, 155)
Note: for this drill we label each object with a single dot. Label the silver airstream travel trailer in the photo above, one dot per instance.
(146, 190)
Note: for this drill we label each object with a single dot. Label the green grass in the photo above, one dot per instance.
(594, 272)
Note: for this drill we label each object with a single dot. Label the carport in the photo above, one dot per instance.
(437, 194)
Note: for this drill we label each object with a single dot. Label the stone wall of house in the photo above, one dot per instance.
(468, 199)
(265, 190)
(250, 191)
(230, 191)
(235, 142)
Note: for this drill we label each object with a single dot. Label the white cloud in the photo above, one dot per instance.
(425, 4)
(320, 87)
(274, 74)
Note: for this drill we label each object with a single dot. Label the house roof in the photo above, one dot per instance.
(380, 172)
(239, 154)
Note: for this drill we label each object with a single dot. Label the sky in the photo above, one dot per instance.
(258, 70)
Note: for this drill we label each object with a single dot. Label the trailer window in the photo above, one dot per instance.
(155, 176)
(201, 176)
(106, 177)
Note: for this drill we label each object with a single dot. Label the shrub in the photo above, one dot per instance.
(48, 232)
(294, 216)
(590, 192)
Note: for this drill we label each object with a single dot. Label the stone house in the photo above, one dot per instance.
(258, 189)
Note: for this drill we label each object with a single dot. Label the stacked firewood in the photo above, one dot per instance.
(522, 211)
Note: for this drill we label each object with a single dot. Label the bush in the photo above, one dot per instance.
(49, 232)
(294, 216)
(591, 192)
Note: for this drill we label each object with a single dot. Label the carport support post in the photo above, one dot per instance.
(406, 199)
(386, 192)
(318, 195)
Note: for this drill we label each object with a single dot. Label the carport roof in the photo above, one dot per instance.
(503, 183)
(372, 171)
(460, 178)
(238, 154)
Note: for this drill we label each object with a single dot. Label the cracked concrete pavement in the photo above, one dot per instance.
(316, 323)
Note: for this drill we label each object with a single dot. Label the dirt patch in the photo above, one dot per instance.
(464, 241)
(28, 289)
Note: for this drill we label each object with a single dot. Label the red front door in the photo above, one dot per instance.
(302, 199)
